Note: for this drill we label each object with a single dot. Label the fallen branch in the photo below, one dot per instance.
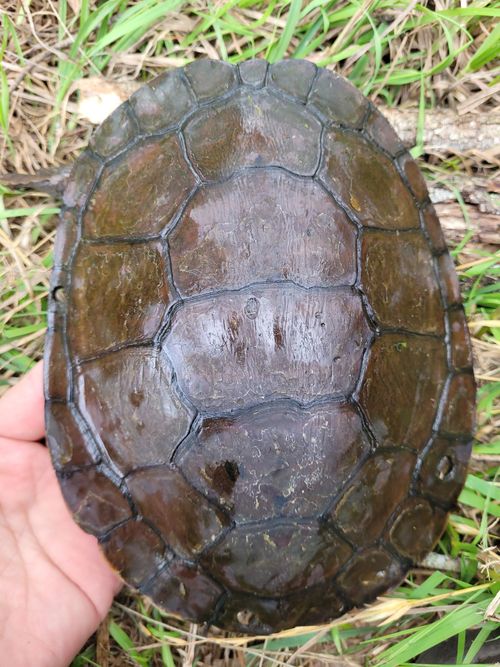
(446, 132)
(480, 212)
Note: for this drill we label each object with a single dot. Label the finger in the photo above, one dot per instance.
(21, 408)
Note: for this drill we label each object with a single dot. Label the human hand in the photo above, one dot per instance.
(55, 586)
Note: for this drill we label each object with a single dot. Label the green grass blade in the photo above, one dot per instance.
(4, 102)
(463, 617)
(166, 656)
(23, 212)
(277, 52)
(479, 640)
(135, 21)
(126, 643)
(488, 51)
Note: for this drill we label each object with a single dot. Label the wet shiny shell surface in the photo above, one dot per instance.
(259, 380)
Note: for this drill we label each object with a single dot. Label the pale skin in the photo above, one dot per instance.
(55, 586)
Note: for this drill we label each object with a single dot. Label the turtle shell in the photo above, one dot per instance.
(259, 380)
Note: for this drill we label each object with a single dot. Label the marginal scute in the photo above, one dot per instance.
(57, 306)
(403, 292)
(253, 129)
(373, 495)
(433, 229)
(277, 459)
(59, 282)
(185, 519)
(382, 133)
(70, 445)
(96, 502)
(135, 551)
(322, 604)
(247, 613)
(443, 471)
(416, 528)
(293, 77)
(407, 372)
(377, 197)
(185, 589)
(83, 175)
(147, 109)
(163, 102)
(460, 345)
(210, 78)
(129, 400)
(174, 94)
(371, 572)
(253, 72)
(271, 561)
(338, 100)
(154, 171)
(450, 286)
(66, 236)
(56, 366)
(414, 177)
(459, 413)
(244, 612)
(115, 133)
(119, 294)
(230, 233)
(237, 349)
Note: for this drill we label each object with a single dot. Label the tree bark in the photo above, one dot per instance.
(480, 212)
(446, 132)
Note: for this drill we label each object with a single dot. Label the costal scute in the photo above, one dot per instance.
(259, 381)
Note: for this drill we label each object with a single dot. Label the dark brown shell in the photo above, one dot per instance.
(259, 379)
